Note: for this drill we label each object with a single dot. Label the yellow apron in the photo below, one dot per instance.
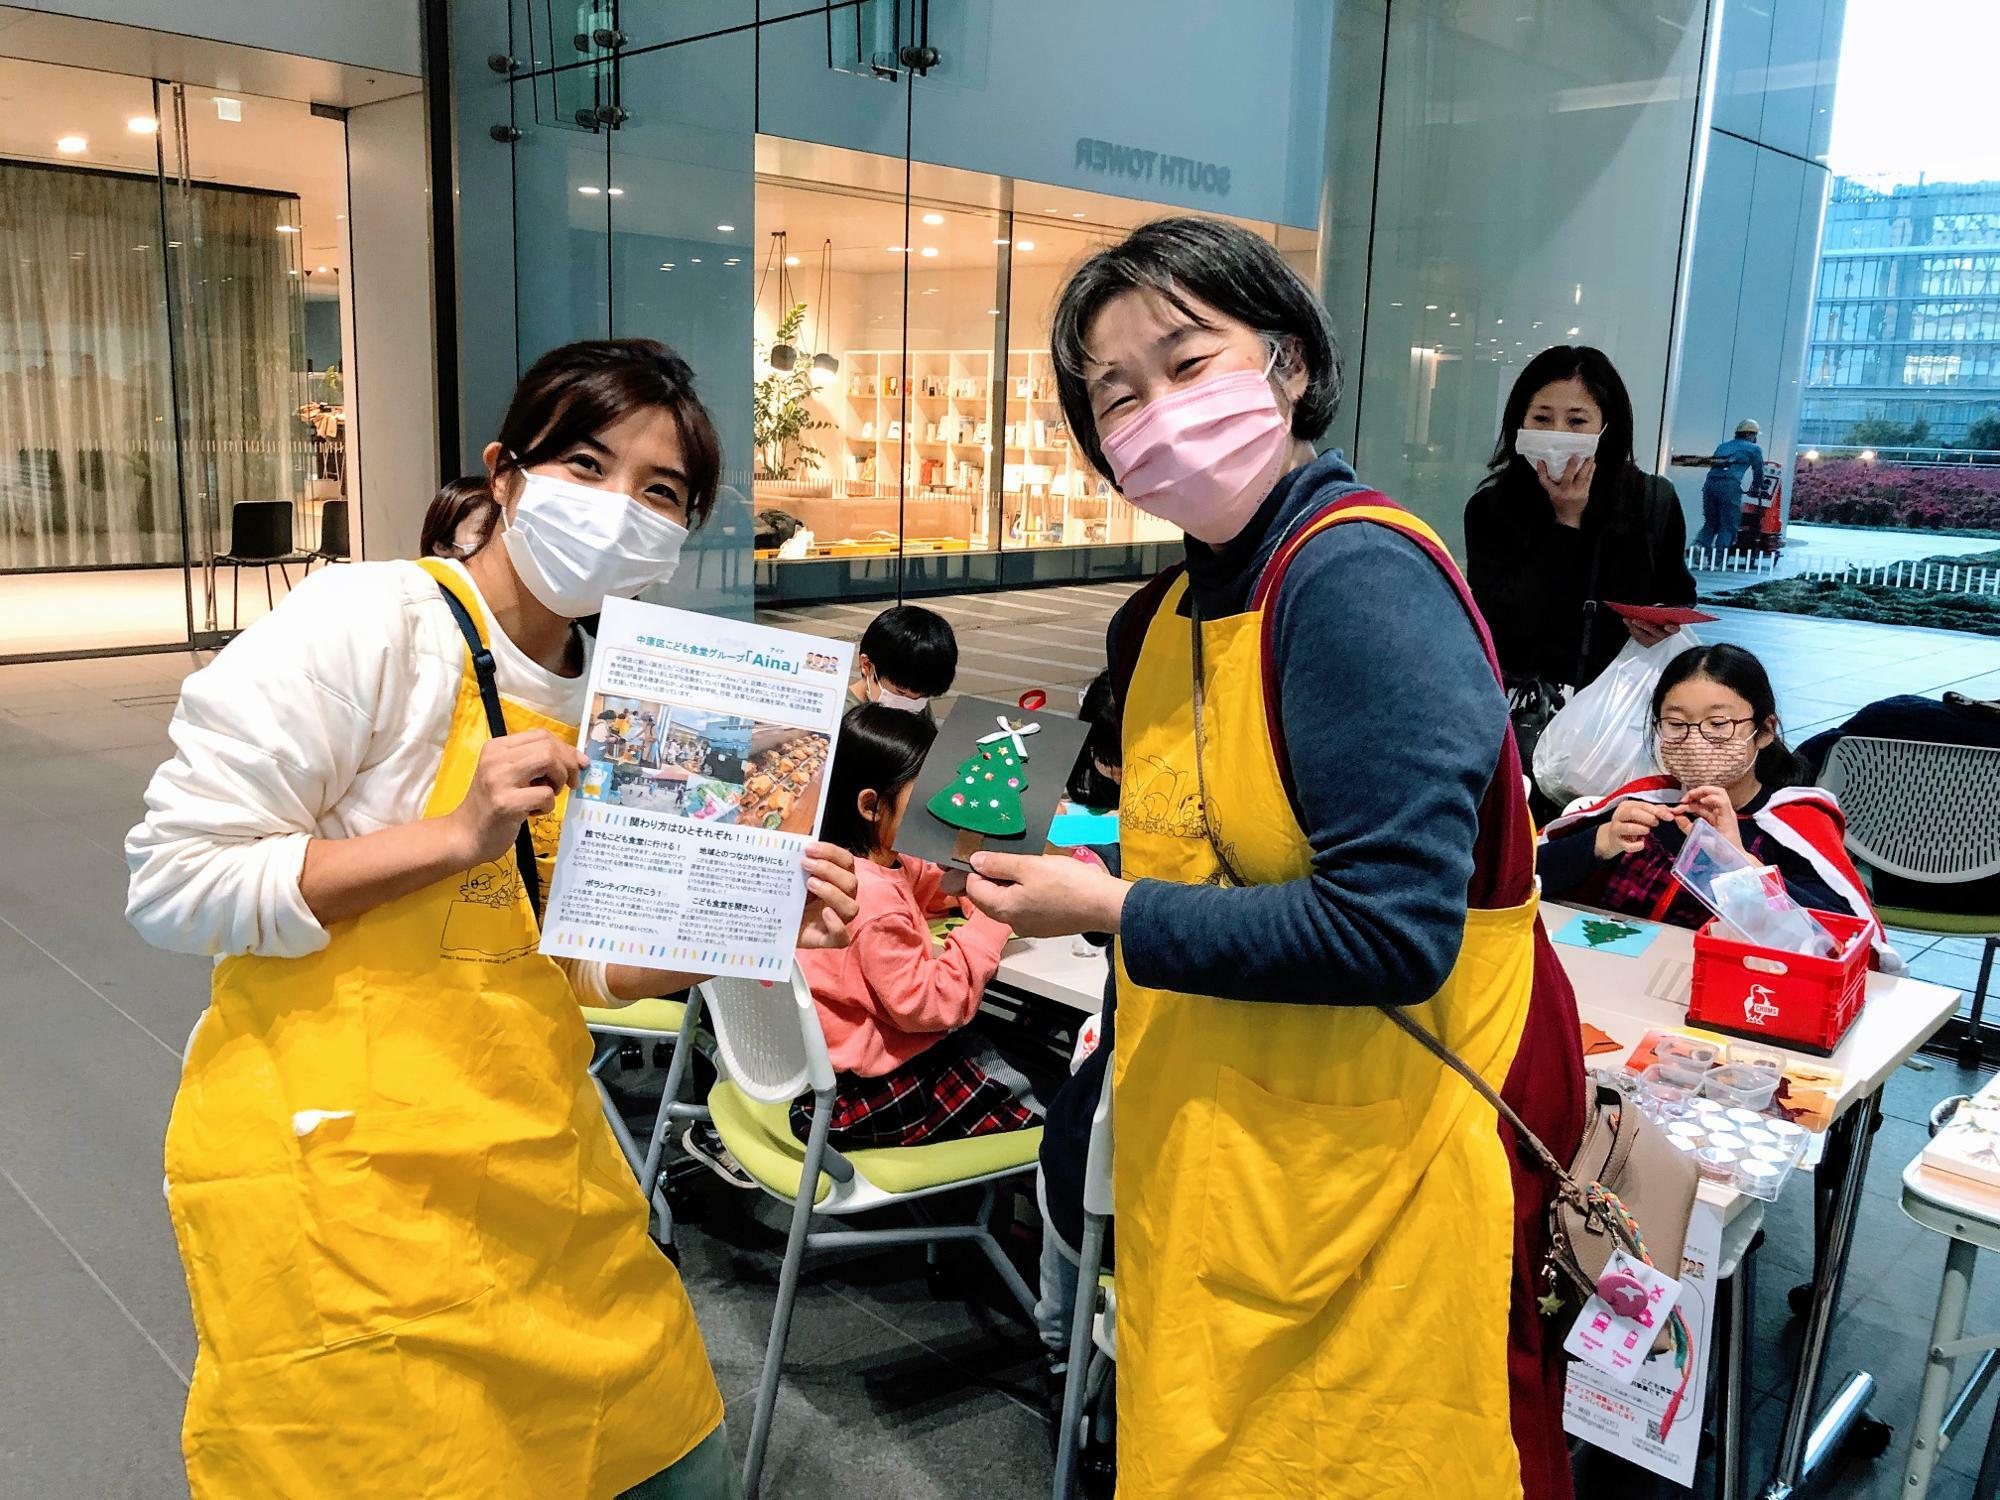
(418, 1261)
(1315, 1218)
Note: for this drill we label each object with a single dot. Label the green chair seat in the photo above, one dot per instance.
(664, 1016)
(760, 1137)
(1951, 923)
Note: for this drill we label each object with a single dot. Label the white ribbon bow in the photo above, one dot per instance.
(1008, 731)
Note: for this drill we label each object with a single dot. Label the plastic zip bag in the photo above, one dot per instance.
(1749, 898)
(1601, 739)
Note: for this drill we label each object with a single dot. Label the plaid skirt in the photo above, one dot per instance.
(957, 1087)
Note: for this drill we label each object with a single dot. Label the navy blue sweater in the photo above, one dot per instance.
(1392, 724)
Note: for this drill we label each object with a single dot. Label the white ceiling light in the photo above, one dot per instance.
(589, 191)
(725, 229)
(1000, 240)
(791, 260)
(899, 249)
(933, 218)
(1024, 244)
(320, 272)
(616, 192)
(72, 145)
(1077, 215)
(288, 229)
(142, 124)
(697, 260)
(227, 109)
(930, 252)
(992, 312)
(1574, 332)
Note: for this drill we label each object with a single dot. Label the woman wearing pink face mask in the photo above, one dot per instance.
(1323, 1235)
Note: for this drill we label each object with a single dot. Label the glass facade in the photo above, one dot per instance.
(1906, 320)
(158, 261)
(872, 206)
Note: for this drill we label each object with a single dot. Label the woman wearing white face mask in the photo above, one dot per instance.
(1322, 1235)
(1566, 521)
(417, 1260)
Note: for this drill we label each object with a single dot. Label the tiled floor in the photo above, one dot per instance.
(890, 1390)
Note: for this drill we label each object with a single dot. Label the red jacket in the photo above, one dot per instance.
(892, 991)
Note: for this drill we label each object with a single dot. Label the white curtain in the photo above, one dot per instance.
(87, 432)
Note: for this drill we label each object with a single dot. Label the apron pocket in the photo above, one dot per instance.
(390, 1217)
(1297, 1192)
(247, 1280)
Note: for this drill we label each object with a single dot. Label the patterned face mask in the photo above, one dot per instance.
(1695, 762)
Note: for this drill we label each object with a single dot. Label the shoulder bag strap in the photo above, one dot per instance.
(496, 726)
(1395, 1013)
(1590, 608)
(1403, 1021)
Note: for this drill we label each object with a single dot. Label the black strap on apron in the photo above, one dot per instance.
(496, 726)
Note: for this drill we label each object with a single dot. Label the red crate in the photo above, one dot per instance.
(1799, 1002)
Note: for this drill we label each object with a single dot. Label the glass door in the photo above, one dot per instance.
(253, 503)
(91, 538)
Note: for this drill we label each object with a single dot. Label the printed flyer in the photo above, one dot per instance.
(1654, 1418)
(709, 743)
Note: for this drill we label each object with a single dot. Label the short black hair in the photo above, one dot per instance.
(914, 648)
(1607, 388)
(578, 390)
(1235, 272)
(1103, 745)
(881, 750)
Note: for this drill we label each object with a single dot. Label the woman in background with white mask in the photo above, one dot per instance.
(417, 1260)
(1323, 1236)
(1566, 521)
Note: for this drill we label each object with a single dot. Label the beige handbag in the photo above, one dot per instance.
(1626, 1174)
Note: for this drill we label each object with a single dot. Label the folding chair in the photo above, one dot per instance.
(771, 1049)
(1926, 813)
(645, 1021)
(1084, 1379)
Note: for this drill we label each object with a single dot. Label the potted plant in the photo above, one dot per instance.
(780, 417)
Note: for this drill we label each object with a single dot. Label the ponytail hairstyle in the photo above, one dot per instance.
(468, 498)
(1744, 675)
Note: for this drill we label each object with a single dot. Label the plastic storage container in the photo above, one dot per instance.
(1800, 1002)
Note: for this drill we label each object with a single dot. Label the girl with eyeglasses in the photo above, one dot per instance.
(1715, 733)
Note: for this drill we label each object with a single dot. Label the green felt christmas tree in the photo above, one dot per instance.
(984, 795)
(1600, 932)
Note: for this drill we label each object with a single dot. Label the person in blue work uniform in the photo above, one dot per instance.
(1734, 471)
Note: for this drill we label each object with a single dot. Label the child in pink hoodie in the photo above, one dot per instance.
(893, 1001)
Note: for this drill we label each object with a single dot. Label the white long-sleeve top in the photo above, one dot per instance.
(327, 718)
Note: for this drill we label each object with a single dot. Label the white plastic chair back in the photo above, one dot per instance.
(1097, 1160)
(767, 1034)
(1924, 812)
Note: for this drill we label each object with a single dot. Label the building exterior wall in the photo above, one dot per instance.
(1906, 323)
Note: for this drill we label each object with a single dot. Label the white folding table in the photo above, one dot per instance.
(1967, 1213)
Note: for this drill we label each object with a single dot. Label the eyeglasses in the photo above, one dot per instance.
(1717, 731)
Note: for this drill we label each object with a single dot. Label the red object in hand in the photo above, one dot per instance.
(1033, 699)
(1660, 614)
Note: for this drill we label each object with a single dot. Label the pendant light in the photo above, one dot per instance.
(783, 356)
(825, 366)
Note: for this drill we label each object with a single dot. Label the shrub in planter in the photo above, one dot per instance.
(1847, 492)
